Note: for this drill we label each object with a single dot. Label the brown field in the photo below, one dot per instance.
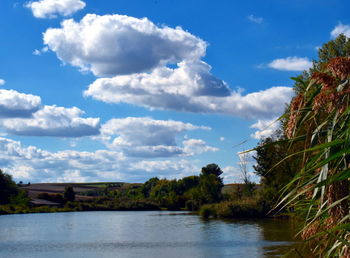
(79, 188)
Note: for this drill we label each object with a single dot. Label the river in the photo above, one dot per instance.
(106, 234)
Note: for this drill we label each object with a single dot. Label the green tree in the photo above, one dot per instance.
(69, 194)
(8, 188)
(187, 183)
(210, 183)
(273, 173)
(148, 186)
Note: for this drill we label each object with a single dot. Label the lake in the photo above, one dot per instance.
(139, 234)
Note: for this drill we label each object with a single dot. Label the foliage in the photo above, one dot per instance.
(246, 208)
(319, 117)
(58, 198)
(8, 188)
(210, 184)
(273, 173)
(149, 185)
(69, 194)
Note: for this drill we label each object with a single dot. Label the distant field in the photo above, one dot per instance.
(81, 189)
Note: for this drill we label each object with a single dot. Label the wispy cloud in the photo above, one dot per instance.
(293, 63)
(341, 29)
(255, 19)
(38, 52)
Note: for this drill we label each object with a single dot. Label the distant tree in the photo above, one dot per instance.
(8, 188)
(69, 194)
(187, 183)
(339, 47)
(210, 183)
(149, 185)
(248, 185)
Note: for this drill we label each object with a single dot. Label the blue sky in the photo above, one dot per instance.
(128, 90)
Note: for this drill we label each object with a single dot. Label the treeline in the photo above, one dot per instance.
(188, 193)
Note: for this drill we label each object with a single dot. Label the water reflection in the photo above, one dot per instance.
(139, 234)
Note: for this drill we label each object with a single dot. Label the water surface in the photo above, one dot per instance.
(139, 234)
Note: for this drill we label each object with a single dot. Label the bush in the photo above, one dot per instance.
(234, 209)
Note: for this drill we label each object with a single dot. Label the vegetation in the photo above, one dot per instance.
(8, 188)
(306, 165)
(319, 117)
(187, 193)
(69, 194)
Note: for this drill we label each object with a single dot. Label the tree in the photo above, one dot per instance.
(8, 188)
(248, 186)
(273, 173)
(148, 186)
(69, 194)
(210, 183)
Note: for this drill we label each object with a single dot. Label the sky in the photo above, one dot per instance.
(126, 90)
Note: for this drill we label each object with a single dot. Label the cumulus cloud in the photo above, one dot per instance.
(15, 104)
(2, 82)
(166, 168)
(136, 55)
(265, 128)
(112, 45)
(53, 121)
(53, 8)
(174, 89)
(291, 64)
(341, 29)
(255, 19)
(197, 146)
(37, 165)
(146, 137)
(32, 163)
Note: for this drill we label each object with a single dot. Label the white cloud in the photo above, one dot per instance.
(231, 175)
(2, 82)
(146, 137)
(341, 29)
(136, 53)
(37, 52)
(255, 19)
(53, 8)
(222, 139)
(15, 104)
(265, 128)
(171, 89)
(34, 164)
(291, 64)
(112, 45)
(196, 146)
(166, 168)
(53, 121)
